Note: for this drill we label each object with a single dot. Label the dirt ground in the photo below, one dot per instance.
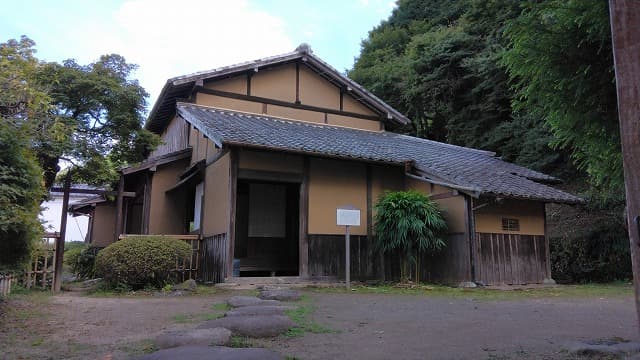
(360, 326)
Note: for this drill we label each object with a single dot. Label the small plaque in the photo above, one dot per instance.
(349, 217)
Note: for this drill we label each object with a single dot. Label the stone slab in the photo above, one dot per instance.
(214, 336)
(256, 326)
(200, 352)
(280, 294)
(239, 301)
(602, 348)
(259, 310)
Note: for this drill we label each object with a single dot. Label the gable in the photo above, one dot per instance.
(293, 91)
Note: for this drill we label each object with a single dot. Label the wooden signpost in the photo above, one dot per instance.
(347, 216)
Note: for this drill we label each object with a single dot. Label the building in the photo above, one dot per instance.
(258, 156)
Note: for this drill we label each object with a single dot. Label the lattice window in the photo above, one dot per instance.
(510, 224)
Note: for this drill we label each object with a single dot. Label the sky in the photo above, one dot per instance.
(171, 38)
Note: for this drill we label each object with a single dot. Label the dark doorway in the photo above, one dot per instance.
(267, 228)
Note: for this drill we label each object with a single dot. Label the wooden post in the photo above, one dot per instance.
(59, 254)
(303, 241)
(625, 22)
(119, 201)
(347, 258)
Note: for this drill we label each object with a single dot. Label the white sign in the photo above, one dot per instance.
(348, 217)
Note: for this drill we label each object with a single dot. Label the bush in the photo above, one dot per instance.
(81, 260)
(601, 255)
(140, 261)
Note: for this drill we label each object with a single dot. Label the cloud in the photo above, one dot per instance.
(171, 38)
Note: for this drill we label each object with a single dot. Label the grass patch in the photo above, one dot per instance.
(304, 324)
(218, 311)
(241, 342)
(616, 289)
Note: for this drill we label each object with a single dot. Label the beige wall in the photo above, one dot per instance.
(279, 83)
(237, 84)
(270, 161)
(332, 184)
(452, 207)
(530, 214)
(228, 103)
(104, 224)
(317, 91)
(165, 215)
(216, 197)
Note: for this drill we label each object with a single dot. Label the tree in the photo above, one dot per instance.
(21, 188)
(411, 223)
(560, 60)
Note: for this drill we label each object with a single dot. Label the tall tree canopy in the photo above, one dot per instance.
(90, 115)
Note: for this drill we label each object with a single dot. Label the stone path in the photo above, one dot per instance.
(255, 317)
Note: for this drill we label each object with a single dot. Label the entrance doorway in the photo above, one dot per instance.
(267, 228)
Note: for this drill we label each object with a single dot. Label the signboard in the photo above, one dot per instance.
(349, 217)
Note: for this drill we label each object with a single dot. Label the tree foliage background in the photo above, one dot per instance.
(530, 80)
(90, 116)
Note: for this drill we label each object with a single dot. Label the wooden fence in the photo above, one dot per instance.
(6, 281)
(42, 266)
(189, 267)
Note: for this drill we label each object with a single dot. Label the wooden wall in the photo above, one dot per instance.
(213, 257)
(511, 259)
(174, 138)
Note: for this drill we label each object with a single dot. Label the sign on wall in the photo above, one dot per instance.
(349, 217)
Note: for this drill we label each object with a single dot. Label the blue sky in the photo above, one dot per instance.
(171, 38)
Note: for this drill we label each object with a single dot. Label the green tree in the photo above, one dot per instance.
(411, 223)
(21, 188)
(560, 61)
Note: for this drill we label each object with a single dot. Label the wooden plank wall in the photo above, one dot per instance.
(326, 257)
(510, 258)
(174, 138)
(213, 258)
(449, 266)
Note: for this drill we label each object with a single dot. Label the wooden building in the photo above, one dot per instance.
(256, 158)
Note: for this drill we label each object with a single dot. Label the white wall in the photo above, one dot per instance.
(51, 216)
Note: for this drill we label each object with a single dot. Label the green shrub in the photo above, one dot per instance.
(601, 255)
(411, 223)
(141, 261)
(81, 260)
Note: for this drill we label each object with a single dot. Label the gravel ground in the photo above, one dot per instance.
(363, 326)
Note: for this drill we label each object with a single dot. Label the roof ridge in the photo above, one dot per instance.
(280, 118)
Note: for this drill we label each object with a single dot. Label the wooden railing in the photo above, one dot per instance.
(189, 267)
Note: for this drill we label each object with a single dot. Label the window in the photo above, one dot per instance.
(510, 224)
(197, 206)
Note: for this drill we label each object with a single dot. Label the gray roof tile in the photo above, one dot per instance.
(463, 167)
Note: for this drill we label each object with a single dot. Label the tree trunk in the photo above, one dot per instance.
(625, 22)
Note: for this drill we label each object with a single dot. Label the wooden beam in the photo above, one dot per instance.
(625, 21)
(94, 192)
(233, 195)
(119, 212)
(247, 174)
(297, 83)
(287, 104)
(146, 203)
(57, 274)
(249, 75)
(303, 245)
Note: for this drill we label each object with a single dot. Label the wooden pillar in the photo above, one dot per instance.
(625, 22)
(57, 275)
(233, 195)
(119, 201)
(303, 241)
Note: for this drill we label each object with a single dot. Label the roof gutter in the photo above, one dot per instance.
(467, 190)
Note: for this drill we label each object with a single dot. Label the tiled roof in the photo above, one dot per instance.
(476, 170)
